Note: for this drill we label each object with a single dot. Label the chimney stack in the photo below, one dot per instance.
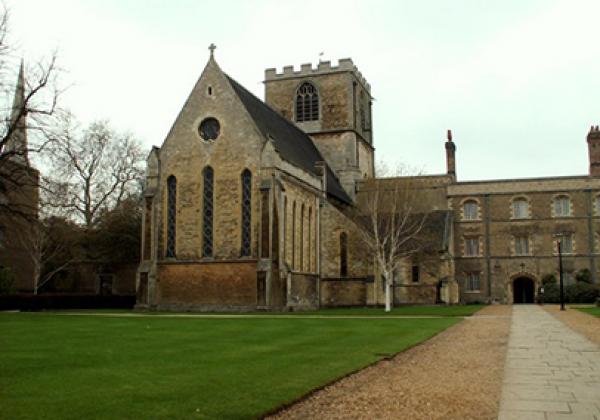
(593, 140)
(450, 159)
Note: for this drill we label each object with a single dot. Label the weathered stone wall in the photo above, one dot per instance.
(304, 291)
(208, 285)
(335, 94)
(343, 292)
(333, 223)
(300, 246)
(424, 290)
(185, 154)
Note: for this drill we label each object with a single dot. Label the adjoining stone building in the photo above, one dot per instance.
(249, 204)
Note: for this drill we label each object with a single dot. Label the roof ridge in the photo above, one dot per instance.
(300, 151)
(278, 115)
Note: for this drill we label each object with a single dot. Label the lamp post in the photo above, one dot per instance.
(560, 277)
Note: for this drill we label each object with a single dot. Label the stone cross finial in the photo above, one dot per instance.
(212, 48)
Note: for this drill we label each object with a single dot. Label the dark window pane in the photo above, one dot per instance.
(343, 254)
(246, 212)
(207, 213)
(171, 215)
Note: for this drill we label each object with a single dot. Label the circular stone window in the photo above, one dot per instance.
(209, 129)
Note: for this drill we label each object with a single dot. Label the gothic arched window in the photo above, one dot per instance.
(307, 103)
(302, 238)
(171, 215)
(246, 212)
(207, 212)
(294, 235)
(343, 254)
(309, 239)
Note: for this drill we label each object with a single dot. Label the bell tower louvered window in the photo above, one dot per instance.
(171, 215)
(207, 212)
(246, 212)
(307, 103)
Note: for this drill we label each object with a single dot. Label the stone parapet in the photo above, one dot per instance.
(324, 67)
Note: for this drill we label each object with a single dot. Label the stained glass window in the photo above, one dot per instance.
(246, 212)
(307, 103)
(207, 213)
(171, 215)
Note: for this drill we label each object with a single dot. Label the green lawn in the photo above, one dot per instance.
(73, 367)
(591, 310)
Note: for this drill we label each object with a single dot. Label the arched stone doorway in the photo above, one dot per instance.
(523, 290)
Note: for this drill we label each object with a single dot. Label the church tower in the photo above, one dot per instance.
(16, 144)
(333, 105)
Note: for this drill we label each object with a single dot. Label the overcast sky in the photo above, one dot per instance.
(518, 82)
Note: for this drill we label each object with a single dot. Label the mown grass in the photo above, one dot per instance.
(72, 367)
(591, 310)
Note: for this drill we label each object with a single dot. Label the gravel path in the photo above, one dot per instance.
(585, 324)
(455, 375)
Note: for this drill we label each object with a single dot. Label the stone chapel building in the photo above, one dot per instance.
(248, 203)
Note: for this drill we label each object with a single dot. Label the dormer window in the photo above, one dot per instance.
(307, 103)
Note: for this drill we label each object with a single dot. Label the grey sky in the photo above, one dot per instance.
(518, 82)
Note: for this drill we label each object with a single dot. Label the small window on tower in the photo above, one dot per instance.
(210, 90)
(307, 103)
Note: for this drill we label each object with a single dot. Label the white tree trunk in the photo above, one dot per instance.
(388, 294)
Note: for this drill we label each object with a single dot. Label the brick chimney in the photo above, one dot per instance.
(593, 140)
(450, 160)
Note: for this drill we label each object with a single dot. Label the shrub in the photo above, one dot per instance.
(581, 292)
(551, 289)
(7, 281)
(584, 276)
(549, 279)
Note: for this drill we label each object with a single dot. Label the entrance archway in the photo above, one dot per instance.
(523, 290)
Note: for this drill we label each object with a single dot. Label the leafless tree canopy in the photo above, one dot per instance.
(27, 111)
(392, 213)
(93, 169)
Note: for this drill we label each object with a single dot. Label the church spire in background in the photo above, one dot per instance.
(17, 141)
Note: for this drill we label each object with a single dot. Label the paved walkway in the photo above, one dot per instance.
(551, 372)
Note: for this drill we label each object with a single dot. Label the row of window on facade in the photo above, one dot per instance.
(521, 245)
(561, 207)
(208, 211)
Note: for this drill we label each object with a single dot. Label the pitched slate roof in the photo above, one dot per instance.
(293, 144)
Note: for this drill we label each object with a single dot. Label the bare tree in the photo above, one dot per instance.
(393, 212)
(92, 169)
(29, 107)
(49, 253)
